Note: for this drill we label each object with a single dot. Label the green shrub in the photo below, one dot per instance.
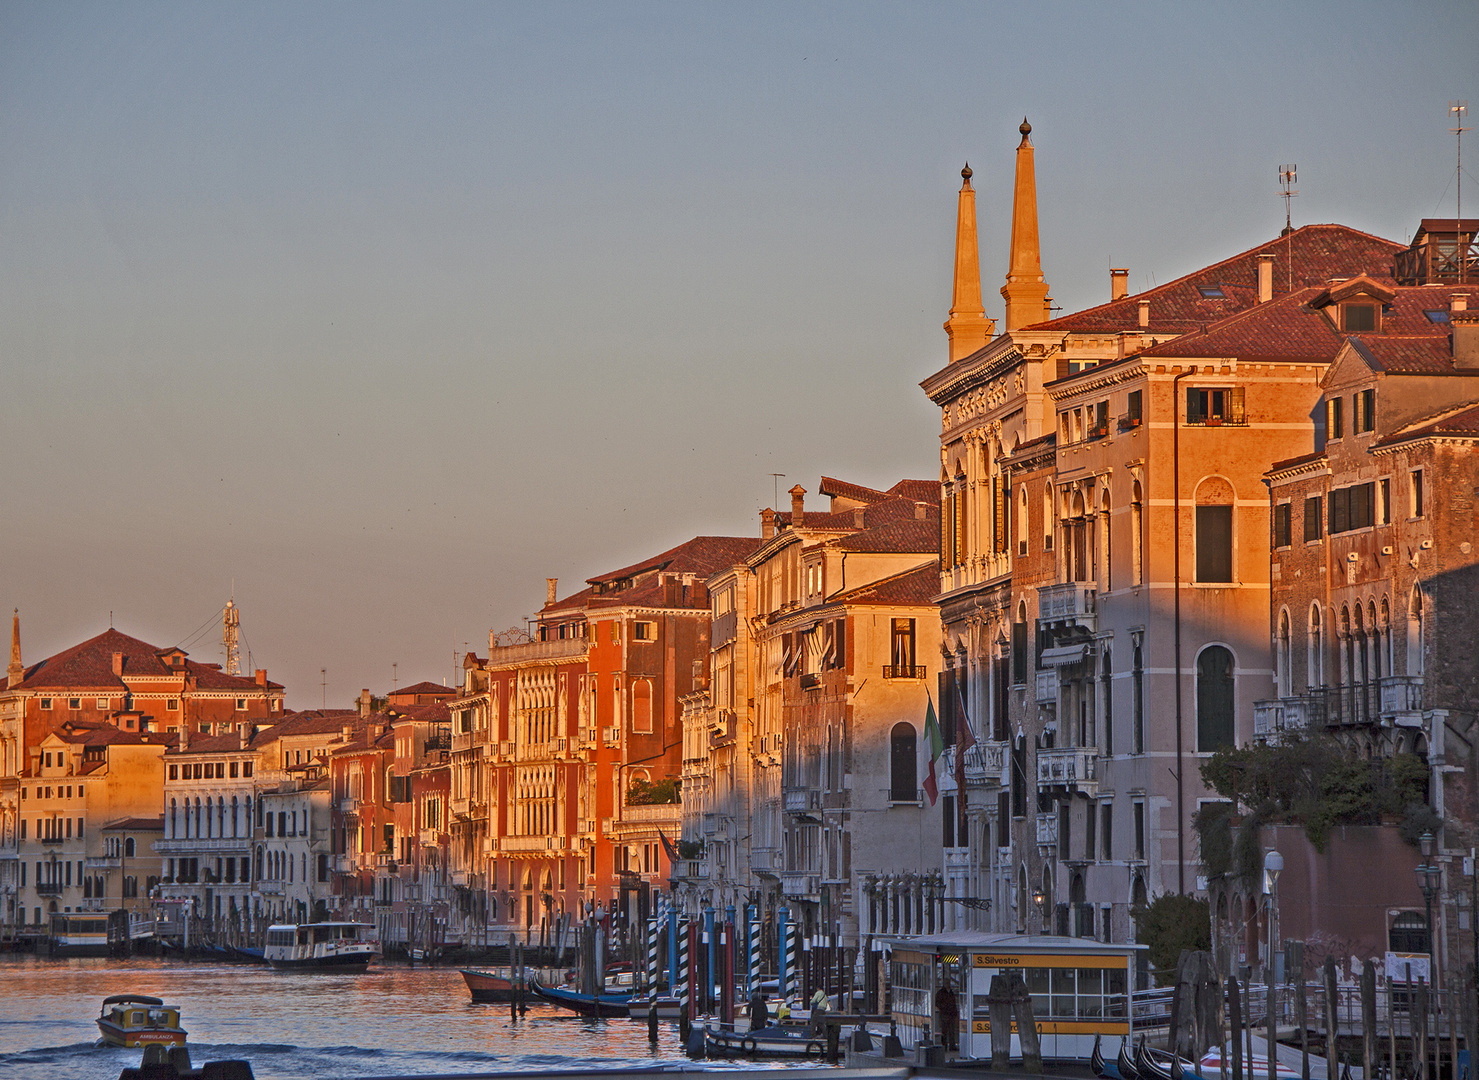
(1168, 925)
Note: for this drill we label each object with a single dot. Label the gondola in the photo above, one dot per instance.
(584, 1004)
(1106, 1070)
(1125, 1063)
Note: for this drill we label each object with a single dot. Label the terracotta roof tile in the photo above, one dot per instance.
(1320, 252)
(1284, 328)
(905, 535)
(89, 665)
(1463, 422)
(424, 687)
(913, 587)
(830, 487)
(154, 824)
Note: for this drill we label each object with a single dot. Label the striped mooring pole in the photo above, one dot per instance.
(752, 918)
(652, 930)
(685, 932)
(786, 951)
(674, 979)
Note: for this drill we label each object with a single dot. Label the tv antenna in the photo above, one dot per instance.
(1288, 177)
(1458, 110)
(775, 488)
(323, 675)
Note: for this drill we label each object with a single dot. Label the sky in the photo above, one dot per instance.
(380, 314)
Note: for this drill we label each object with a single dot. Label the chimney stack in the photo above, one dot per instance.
(798, 498)
(550, 584)
(261, 676)
(921, 512)
(1119, 283)
(364, 702)
(1458, 302)
(1465, 339)
(767, 523)
(347, 731)
(857, 517)
(1266, 278)
(1144, 313)
(246, 735)
(118, 663)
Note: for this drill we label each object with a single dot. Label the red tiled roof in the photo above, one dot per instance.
(1320, 252)
(927, 491)
(701, 556)
(89, 665)
(918, 586)
(425, 687)
(152, 824)
(904, 535)
(1464, 422)
(98, 734)
(1285, 328)
(1425, 355)
(435, 712)
(831, 487)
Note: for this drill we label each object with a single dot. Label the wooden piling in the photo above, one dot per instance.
(1332, 1021)
(1368, 1019)
(1235, 1023)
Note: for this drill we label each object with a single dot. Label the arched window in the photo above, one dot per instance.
(1215, 702)
(1214, 525)
(1315, 661)
(1137, 534)
(1078, 530)
(235, 809)
(1283, 657)
(1390, 658)
(128, 847)
(1022, 520)
(1409, 933)
(1023, 899)
(1415, 633)
(173, 807)
(1106, 696)
(903, 763)
(1047, 518)
(1373, 646)
(642, 706)
(1106, 546)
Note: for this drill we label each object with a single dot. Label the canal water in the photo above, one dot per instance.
(390, 1021)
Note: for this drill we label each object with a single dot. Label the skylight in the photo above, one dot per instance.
(1440, 315)
(1211, 292)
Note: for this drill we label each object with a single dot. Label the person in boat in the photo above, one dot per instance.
(949, 1012)
(759, 1010)
(783, 1013)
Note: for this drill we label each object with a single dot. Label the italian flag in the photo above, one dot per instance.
(936, 743)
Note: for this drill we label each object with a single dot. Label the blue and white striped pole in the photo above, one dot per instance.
(652, 928)
(684, 933)
(752, 920)
(785, 951)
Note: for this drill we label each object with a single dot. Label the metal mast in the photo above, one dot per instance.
(230, 636)
(1458, 110)
(1288, 177)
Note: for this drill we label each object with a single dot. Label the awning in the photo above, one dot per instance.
(1063, 654)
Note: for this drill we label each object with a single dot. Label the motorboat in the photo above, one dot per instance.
(134, 1020)
(490, 985)
(605, 1004)
(668, 1008)
(1211, 1066)
(325, 946)
(772, 1041)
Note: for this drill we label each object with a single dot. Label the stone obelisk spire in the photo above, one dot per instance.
(17, 671)
(968, 327)
(1025, 291)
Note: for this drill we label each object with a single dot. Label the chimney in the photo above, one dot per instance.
(364, 702)
(1145, 313)
(1265, 278)
(246, 735)
(347, 731)
(857, 517)
(921, 511)
(1119, 283)
(118, 663)
(1458, 302)
(1465, 339)
(261, 676)
(184, 732)
(550, 584)
(798, 497)
(767, 523)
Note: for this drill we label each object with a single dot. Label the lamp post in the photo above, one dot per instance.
(1040, 899)
(1428, 877)
(1273, 865)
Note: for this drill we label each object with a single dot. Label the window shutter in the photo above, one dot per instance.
(960, 527)
(999, 496)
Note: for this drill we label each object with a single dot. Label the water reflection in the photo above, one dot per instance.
(390, 1021)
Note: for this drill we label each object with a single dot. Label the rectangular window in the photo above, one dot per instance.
(1133, 408)
(46, 704)
(1417, 493)
(947, 818)
(1106, 830)
(103, 703)
(1340, 511)
(241, 704)
(172, 704)
(1364, 407)
(642, 631)
(1283, 526)
(1357, 317)
(1100, 420)
(901, 651)
(1091, 846)
(246, 768)
(1335, 418)
(234, 767)
(74, 703)
(1215, 405)
(1214, 544)
(1019, 653)
(1312, 519)
(1352, 508)
(1140, 830)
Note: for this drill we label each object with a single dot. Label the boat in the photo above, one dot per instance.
(79, 934)
(1210, 1066)
(668, 1008)
(585, 1004)
(325, 946)
(133, 1020)
(773, 1041)
(489, 985)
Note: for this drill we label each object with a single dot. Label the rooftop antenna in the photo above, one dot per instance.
(323, 675)
(1458, 110)
(231, 634)
(775, 488)
(1288, 177)
(394, 678)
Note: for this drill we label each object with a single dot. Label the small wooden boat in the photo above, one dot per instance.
(489, 985)
(584, 1004)
(133, 1020)
(1125, 1063)
(775, 1041)
(668, 1008)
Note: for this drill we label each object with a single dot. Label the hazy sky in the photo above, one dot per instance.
(387, 312)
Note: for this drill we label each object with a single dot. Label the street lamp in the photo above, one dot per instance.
(1273, 866)
(1040, 898)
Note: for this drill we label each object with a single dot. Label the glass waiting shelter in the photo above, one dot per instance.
(1079, 987)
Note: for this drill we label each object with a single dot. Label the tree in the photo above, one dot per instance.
(1168, 925)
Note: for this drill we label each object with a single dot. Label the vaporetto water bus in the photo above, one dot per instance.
(1080, 989)
(324, 946)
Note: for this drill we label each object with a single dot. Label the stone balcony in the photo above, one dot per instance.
(1047, 830)
(985, 763)
(1069, 602)
(1402, 699)
(799, 883)
(1073, 768)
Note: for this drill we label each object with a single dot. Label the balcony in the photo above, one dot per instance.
(462, 743)
(811, 681)
(1047, 686)
(344, 864)
(691, 869)
(432, 837)
(269, 888)
(506, 749)
(611, 736)
(1357, 704)
(52, 841)
(799, 883)
(103, 862)
(1075, 768)
(1047, 830)
(528, 844)
(895, 671)
(984, 764)
(800, 800)
(1402, 694)
(660, 813)
(48, 888)
(763, 860)
(562, 745)
(197, 846)
(1069, 602)
(538, 650)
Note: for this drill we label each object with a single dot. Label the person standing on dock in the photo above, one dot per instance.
(759, 1010)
